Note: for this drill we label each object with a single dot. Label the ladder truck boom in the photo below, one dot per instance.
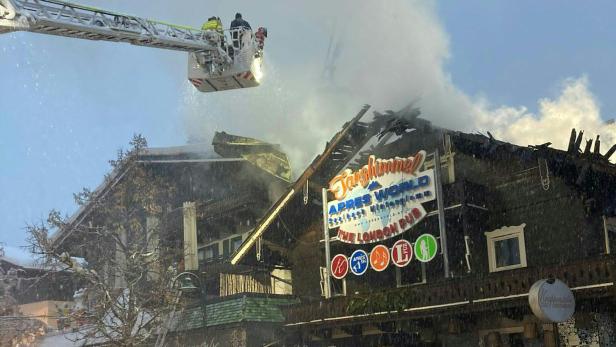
(71, 20)
(213, 65)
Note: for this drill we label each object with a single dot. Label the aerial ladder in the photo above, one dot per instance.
(215, 62)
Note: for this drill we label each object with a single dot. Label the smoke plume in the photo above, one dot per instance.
(324, 60)
(386, 54)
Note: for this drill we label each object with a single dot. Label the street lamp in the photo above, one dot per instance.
(186, 282)
(187, 286)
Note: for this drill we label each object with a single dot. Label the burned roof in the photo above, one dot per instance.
(486, 146)
(344, 149)
(587, 169)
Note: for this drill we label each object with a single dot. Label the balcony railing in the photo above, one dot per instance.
(594, 277)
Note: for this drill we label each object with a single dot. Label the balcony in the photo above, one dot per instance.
(591, 278)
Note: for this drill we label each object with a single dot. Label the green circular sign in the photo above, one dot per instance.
(425, 248)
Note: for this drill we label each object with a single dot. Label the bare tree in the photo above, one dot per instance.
(129, 264)
(8, 286)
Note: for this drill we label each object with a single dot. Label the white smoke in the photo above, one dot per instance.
(391, 53)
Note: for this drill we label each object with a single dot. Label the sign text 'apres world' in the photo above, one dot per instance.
(380, 200)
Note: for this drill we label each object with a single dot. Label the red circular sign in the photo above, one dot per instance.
(339, 266)
(401, 253)
(379, 258)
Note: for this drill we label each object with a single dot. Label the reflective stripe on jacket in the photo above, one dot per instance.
(211, 25)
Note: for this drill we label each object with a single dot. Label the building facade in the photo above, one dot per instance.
(216, 194)
(510, 216)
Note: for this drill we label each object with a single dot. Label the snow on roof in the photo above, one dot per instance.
(199, 152)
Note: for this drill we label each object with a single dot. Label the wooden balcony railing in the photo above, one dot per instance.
(467, 293)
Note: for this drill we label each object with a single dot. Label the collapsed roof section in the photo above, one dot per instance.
(265, 156)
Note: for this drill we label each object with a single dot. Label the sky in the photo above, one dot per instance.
(526, 71)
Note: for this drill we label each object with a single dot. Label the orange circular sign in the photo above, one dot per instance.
(379, 258)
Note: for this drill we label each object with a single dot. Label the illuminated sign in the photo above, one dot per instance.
(339, 266)
(379, 258)
(401, 253)
(425, 249)
(375, 168)
(380, 200)
(359, 262)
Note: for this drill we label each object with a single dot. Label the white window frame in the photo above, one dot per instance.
(505, 233)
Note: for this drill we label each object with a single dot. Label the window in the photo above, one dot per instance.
(338, 287)
(211, 252)
(225, 248)
(208, 253)
(235, 243)
(506, 248)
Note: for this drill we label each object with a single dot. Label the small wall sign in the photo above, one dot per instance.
(551, 300)
(340, 266)
(401, 253)
(359, 262)
(425, 248)
(379, 258)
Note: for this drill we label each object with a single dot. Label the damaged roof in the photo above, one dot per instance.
(337, 142)
(574, 164)
(186, 154)
(266, 156)
(343, 149)
(486, 146)
(589, 171)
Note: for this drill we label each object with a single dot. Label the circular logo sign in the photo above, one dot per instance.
(425, 248)
(401, 253)
(359, 262)
(551, 301)
(340, 266)
(379, 258)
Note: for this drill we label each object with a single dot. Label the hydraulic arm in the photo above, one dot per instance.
(71, 20)
(214, 63)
